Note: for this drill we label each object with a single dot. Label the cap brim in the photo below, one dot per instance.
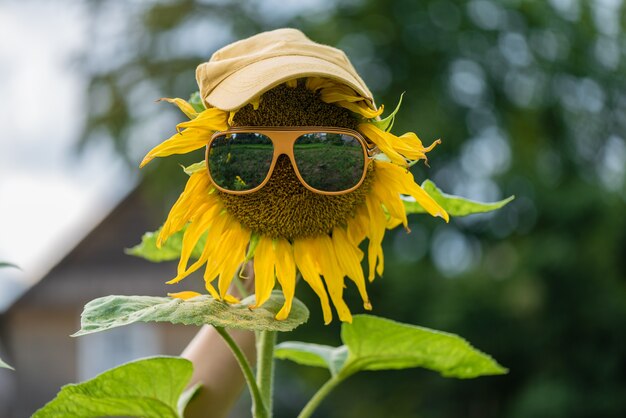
(241, 87)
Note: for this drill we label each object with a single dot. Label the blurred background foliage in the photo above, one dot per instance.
(529, 98)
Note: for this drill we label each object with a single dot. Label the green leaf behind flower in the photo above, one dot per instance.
(115, 311)
(3, 365)
(454, 205)
(149, 388)
(189, 170)
(170, 250)
(373, 343)
(387, 123)
(172, 247)
(4, 264)
(195, 100)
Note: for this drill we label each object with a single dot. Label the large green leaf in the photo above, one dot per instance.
(170, 250)
(373, 343)
(148, 388)
(454, 205)
(115, 311)
(316, 355)
(3, 365)
(378, 343)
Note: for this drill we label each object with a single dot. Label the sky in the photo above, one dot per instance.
(50, 195)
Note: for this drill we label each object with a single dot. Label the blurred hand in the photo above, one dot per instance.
(216, 368)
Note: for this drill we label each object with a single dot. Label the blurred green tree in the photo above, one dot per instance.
(529, 99)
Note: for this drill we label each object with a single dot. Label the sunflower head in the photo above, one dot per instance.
(284, 208)
(284, 226)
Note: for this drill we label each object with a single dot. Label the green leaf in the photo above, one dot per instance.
(3, 365)
(373, 343)
(148, 388)
(170, 250)
(186, 397)
(387, 123)
(115, 311)
(5, 264)
(454, 205)
(189, 170)
(196, 101)
(315, 355)
(379, 344)
(254, 241)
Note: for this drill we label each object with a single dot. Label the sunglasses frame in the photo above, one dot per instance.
(283, 140)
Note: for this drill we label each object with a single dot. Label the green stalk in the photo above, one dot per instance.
(319, 396)
(240, 287)
(258, 407)
(266, 340)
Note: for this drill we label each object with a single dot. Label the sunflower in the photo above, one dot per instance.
(284, 227)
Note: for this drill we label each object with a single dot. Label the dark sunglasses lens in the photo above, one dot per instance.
(329, 162)
(240, 161)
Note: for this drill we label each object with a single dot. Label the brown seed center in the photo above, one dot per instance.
(284, 208)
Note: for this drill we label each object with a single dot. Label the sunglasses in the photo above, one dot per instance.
(326, 160)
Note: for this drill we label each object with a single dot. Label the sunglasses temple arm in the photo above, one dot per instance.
(372, 151)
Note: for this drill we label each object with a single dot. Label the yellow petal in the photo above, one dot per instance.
(179, 143)
(231, 299)
(317, 83)
(187, 294)
(399, 149)
(333, 276)
(401, 180)
(214, 249)
(361, 108)
(344, 96)
(194, 200)
(390, 199)
(378, 223)
(183, 105)
(209, 287)
(358, 226)
(214, 224)
(409, 145)
(192, 235)
(211, 120)
(349, 257)
(286, 275)
(263, 271)
(383, 141)
(305, 253)
(233, 246)
(196, 135)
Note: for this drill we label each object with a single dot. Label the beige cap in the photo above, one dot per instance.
(247, 68)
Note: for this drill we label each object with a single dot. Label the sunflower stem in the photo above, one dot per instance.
(319, 396)
(265, 343)
(240, 288)
(259, 409)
